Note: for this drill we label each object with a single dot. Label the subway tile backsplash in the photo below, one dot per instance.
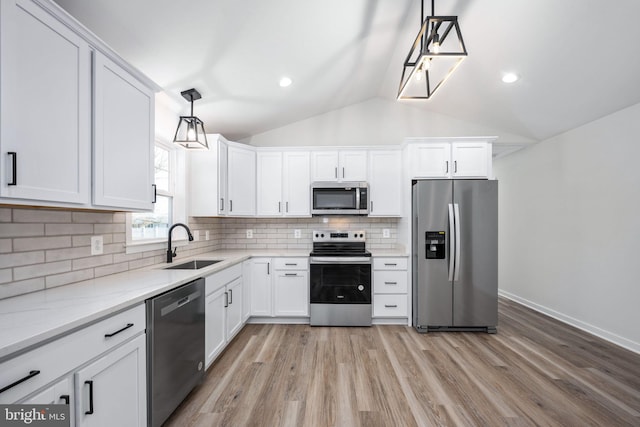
(45, 248)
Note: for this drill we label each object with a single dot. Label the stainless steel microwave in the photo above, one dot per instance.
(339, 198)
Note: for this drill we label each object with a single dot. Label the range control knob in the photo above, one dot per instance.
(317, 234)
(322, 235)
(361, 235)
(361, 288)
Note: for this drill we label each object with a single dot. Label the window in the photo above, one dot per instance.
(148, 230)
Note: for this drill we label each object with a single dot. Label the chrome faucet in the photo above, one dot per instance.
(171, 254)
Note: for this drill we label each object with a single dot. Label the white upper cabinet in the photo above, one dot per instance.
(55, 113)
(45, 107)
(296, 183)
(123, 138)
(459, 158)
(207, 175)
(269, 185)
(241, 176)
(471, 159)
(385, 183)
(283, 183)
(346, 165)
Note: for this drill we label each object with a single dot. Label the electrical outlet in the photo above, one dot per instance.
(386, 233)
(297, 234)
(196, 235)
(97, 245)
(206, 235)
(249, 234)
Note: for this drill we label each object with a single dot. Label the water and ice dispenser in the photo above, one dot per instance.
(434, 241)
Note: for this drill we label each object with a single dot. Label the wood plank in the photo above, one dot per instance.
(536, 371)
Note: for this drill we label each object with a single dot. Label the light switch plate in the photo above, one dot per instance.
(297, 234)
(386, 233)
(196, 235)
(249, 234)
(97, 245)
(206, 235)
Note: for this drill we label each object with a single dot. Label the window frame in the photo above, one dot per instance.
(176, 186)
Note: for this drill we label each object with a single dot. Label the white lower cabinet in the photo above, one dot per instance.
(112, 390)
(280, 287)
(223, 310)
(100, 370)
(390, 284)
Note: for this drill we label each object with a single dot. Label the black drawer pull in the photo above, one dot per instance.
(20, 381)
(390, 265)
(118, 331)
(14, 169)
(391, 305)
(290, 263)
(155, 193)
(291, 274)
(65, 397)
(90, 411)
(390, 283)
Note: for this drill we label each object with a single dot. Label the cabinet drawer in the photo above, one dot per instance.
(221, 278)
(389, 282)
(390, 263)
(291, 263)
(389, 306)
(57, 358)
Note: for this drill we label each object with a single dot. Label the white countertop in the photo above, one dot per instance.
(32, 319)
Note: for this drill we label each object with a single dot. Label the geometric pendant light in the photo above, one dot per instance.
(435, 54)
(190, 132)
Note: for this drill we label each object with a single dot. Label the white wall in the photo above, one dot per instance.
(570, 226)
(376, 121)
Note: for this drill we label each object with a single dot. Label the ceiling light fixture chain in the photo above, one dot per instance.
(434, 55)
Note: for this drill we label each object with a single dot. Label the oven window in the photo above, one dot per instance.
(340, 284)
(334, 198)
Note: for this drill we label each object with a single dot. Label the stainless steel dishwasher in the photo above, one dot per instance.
(175, 348)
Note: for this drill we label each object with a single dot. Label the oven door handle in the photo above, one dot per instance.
(340, 260)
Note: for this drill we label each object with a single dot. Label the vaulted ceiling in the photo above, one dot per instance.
(578, 59)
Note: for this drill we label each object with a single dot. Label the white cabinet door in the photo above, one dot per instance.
(234, 308)
(246, 290)
(215, 324)
(296, 183)
(324, 166)
(291, 293)
(261, 287)
(352, 166)
(269, 183)
(112, 390)
(432, 160)
(45, 107)
(241, 175)
(207, 173)
(471, 159)
(123, 129)
(385, 183)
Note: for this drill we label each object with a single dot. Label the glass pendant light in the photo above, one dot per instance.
(190, 132)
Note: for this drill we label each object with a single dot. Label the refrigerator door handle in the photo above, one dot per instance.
(452, 242)
(457, 258)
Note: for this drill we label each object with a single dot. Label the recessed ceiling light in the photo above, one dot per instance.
(510, 78)
(285, 81)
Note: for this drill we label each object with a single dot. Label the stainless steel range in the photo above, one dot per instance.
(340, 279)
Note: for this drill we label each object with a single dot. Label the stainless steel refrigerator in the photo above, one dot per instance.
(455, 255)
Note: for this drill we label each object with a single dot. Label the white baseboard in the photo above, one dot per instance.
(594, 330)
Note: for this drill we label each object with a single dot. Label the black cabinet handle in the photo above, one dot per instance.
(221, 204)
(118, 331)
(230, 296)
(447, 171)
(455, 166)
(279, 207)
(226, 300)
(20, 381)
(90, 411)
(14, 168)
(268, 264)
(230, 205)
(390, 264)
(65, 397)
(290, 274)
(287, 204)
(391, 305)
(155, 193)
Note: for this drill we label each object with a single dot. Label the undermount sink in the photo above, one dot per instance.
(193, 265)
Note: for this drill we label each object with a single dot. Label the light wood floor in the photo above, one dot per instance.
(534, 371)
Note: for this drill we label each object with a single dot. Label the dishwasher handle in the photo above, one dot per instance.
(176, 304)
